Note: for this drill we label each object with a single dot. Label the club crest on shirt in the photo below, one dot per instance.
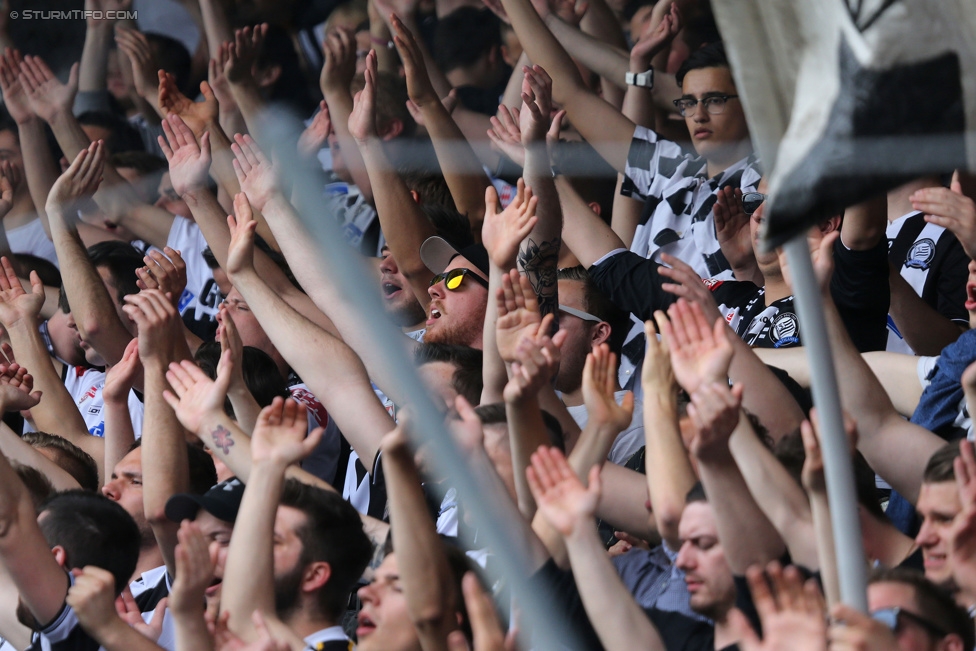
(784, 330)
(921, 254)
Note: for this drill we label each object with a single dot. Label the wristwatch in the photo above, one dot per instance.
(643, 79)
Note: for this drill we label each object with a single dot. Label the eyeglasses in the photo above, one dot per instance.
(751, 201)
(889, 617)
(714, 104)
(452, 279)
(579, 314)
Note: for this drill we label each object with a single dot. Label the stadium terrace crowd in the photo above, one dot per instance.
(206, 441)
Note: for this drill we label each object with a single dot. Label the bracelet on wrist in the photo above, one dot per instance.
(642, 79)
(389, 45)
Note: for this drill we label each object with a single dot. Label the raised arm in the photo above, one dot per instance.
(160, 343)
(501, 234)
(278, 441)
(424, 571)
(569, 506)
(461, 168)
(93, 308)
(402, 221)
(600, 123)
(58, 413)
(539, 252)
(747, 535)
(669, 472)
(119, 434)
(897, 449)
(331, 369)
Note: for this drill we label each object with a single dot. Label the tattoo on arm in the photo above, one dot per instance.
(538, 261)
(222, 439)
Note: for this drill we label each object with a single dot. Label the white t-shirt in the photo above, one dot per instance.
(200, 301)
(85, 386)
(628, 441)
(31, 238)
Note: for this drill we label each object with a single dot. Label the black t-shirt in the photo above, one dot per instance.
(681, 633)
(859, 287)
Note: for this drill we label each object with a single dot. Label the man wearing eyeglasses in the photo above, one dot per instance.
(908, 613)
(678, 189)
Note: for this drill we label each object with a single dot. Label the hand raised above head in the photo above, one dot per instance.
(279, 435)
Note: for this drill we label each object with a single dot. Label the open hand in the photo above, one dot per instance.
(16, 386)
(503, 230)
(279, 435)
(240, 253)
(316, 134)
(962, 533)
(518, 314)
(657, 376)
(700, 352)
(79, 181)
(419, 87)
(198, 116)
(134, 45)
(537, 362)
(534, 118)
(506, 135)
(121, 376)
(255, 171)
(562, 498)
(599, 385)
(195, 562)
(340, 63)
(951, 209)
(14, 96)
(656, 37)
(230, 342)
(362, 120)
(46, 95)
(189, 162)
(792, 612)
(16, 305)
(244, 53)
(195, 396)
(687, 284)
(715, 411)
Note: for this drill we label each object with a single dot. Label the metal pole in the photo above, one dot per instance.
(344, 268)
(838, 468)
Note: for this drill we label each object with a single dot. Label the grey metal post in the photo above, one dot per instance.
(838, 468)
(349, 273)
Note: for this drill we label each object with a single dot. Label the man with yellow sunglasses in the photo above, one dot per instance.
(458, 292)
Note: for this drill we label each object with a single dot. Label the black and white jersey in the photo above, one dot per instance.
(678, 199)
(933, 262)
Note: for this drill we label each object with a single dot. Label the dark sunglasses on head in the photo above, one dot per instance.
(890, 618)
(453, 278)
(751, 201)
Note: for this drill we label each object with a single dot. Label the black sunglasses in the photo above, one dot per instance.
(453, 278)
(890, 616)
(751, 201)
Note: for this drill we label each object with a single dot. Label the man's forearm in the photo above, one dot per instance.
(93, 309)
(609, 62)
(539, 252)
(619, 622)
(93, 71)
(404, 224)
(249, 573)
(924, 329)
(668, 470)
(40, 168)
(164, 442)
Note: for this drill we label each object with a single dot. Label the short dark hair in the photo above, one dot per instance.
(46, 270)
(203, 472)
(494, 414)
(333, 532)
(711, 55)
(449, 224)
(430, 187)
(467, 380)
(92, 530)
(464, 36)
(36, 482)
(935, 604)
(173, 57)
(696, 494)
(391, 102)
(940, 465)
(72, 459)
(121, 259)
(261, 374)
(599, 305)
(210, 258)
(122, 135)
